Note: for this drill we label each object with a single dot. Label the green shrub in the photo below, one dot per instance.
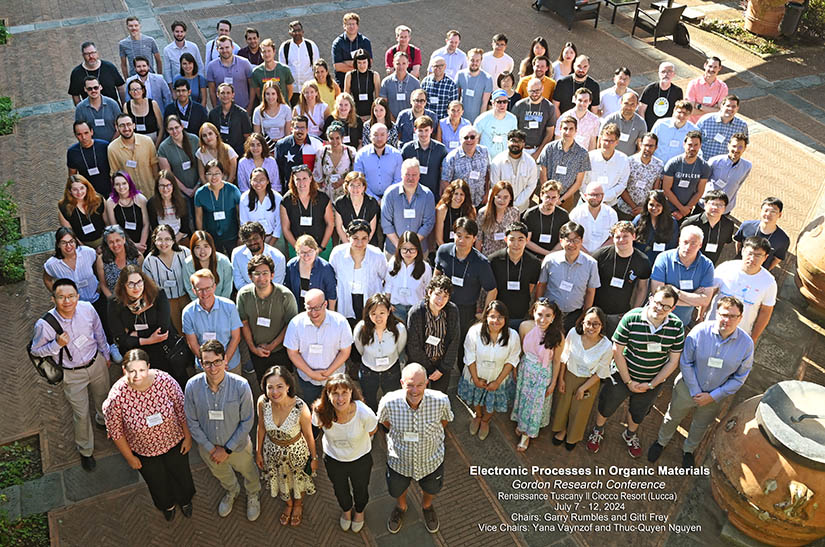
(31, 531)
(12, 268)
(812, 25)
(4, 33)
(7, 119)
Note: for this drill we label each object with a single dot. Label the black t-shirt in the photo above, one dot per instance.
(196, 115)
(295, 211)
(93, 158)
(653, 93)
(474, 271)
(352, 135)
(779, 240)
(237, 120)
(539, 224)
(567, 86)
(525, 273)
(78, 220)
(107, 75)
(612, 299)
(717, 237)
(369, 210)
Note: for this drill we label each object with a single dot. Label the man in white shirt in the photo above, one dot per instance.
(224, 27)
(609, 167)
(496, 61)
(172, 53)
(748, 281)
(518, 168)
(298, 54)
(318, 342)
(596, 218)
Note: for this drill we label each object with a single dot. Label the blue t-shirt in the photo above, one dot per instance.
(779, 240)
(669, 270)
(220, 216)
(474, 272)
(472, 89)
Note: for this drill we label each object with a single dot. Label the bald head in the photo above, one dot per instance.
(314, 297)
(412, 370)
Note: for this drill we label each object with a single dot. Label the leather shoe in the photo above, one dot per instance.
(88, 463)
(186, 510)
(169, 514)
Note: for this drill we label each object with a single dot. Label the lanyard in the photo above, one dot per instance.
(455, 259)
(626, 269)
(552, 221)
(134, 215)
(94, 155)
(268, 311)
(426, 162)
(520, 266)
(212, 195)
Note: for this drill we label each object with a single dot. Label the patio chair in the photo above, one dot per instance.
(572, 10)
(658, 23)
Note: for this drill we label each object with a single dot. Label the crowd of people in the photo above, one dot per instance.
(343, 230)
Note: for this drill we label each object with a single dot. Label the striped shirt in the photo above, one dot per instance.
(415, 442)
(83, 273)
(647, 348)
(171, 280)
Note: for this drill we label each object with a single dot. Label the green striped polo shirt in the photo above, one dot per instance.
(647, 349)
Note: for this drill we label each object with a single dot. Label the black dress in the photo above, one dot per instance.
(149, 122)
(369, 210)
(295, 210)
(363, 90)
(352, 136)
(449, 219)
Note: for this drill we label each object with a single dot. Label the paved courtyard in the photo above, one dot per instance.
(782, 99)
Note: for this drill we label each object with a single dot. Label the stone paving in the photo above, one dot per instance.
(781, 99)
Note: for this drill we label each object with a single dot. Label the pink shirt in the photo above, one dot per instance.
(698, 91)
(588, 127)
(532, 344)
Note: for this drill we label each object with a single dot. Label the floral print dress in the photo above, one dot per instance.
(284, 465)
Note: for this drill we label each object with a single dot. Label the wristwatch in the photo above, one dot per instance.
(226, 449)
(698, 106)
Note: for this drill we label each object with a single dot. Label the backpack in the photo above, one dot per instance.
(681, 36)
(289, 43)
(45, 366)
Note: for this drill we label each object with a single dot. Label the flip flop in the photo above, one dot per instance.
(285, 515)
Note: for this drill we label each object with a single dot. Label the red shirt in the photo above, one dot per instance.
(415, 59)
(151, 420)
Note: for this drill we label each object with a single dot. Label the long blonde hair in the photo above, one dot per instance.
(223, 155)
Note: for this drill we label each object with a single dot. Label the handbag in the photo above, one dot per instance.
(177, 352)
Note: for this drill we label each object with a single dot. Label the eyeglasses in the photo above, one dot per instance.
(408, 250)
(214, 174)
(469, 137)
(419, 100)
(205, 289)
(315, 308)
(663, 307)
(134, 284)
(307, 253)
(260, 274)
(299, 168)
(89, 53)
(69, 243)
(212, 364)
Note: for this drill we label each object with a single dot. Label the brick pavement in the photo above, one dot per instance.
(122, 516)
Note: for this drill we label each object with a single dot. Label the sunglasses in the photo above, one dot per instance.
(299, 168)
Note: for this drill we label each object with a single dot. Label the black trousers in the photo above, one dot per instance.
(262, 364)
(168, 477)
(355, 473)
(370, 381)
(466, 318)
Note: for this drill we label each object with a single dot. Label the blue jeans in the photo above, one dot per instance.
(401, 311)
(389, 380)
(309, 391)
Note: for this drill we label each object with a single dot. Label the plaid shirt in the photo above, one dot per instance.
(415, 458)
(458, 165)
(714, 130)
(445, 90)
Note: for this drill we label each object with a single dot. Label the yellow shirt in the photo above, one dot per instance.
(140, 163)
(328, 95)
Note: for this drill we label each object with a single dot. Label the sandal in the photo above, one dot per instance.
(297, 515)
(523, 443)
(285, 515)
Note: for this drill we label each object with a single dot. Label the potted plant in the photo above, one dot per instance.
(762, 17)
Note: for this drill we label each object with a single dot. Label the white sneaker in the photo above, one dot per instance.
(253, 508)
(225, 506)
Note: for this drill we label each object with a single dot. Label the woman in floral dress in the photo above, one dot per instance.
(538, 372)
(285, 435)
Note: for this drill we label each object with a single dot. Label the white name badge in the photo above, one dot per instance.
(457, 281)
(403, 291)
(475, 175)
(707, 99)
(82, 284)
(532, 125)
(400, 96)
(566, 286)
(225, 129)
(263, 321)
(141, 326)
(561, 169)
(423, 169)
(100, 122)
(715, 362)
(674, 144)
(130, 225)
(545, 238)
(306, 221)
(363, 97)
(720, 138)
(88, 228)
(210, 336)
(131, 163)
(216, 415)
(658, 247)
(411, 436)
(409, 213)
(382, 361)
(470, 92)
(498, 139)
(228, 80)
(140, 127)
(345, 140)
(170, 283)
(433, 340)
(343, 444)
(316, 349)
(498, 236)
(79, 341)
(185, 124)
(711, 247)
(219, 215)
(154, 419)
(624, 137)
(617, 282)
(654, 347)
(186, 165)
(686, 284)
(303, 293)
(684, 183)
(454, 144)
(513, 286)
(434, 100)
(94, 171)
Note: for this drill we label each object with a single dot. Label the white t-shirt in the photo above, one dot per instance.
(272, 126)
(403, 288)
(348, 442)
(494, 67)
(754, 290)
